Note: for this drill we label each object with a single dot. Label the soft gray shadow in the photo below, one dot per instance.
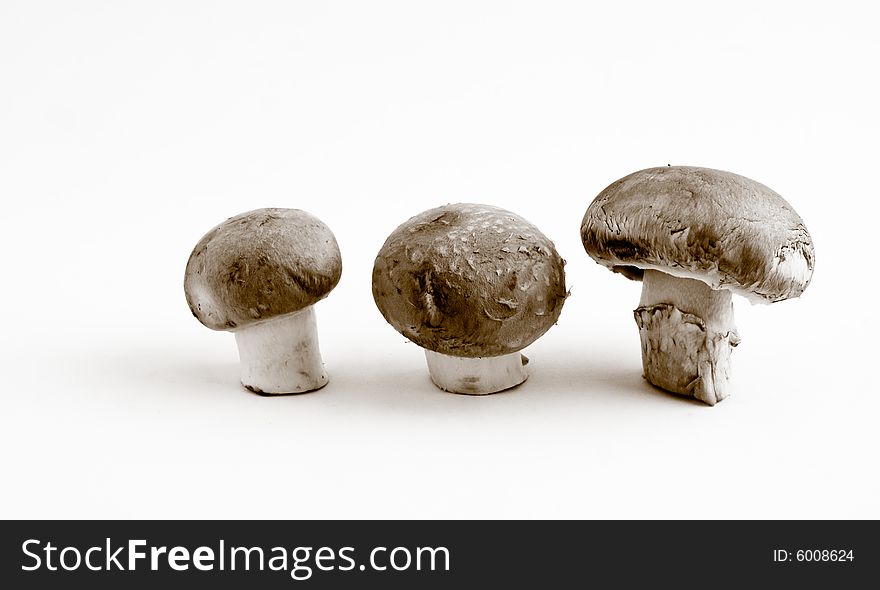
(172, 375)
(402, 386)
(601, 381)
(393, 384)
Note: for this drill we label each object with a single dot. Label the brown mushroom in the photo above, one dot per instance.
(472, 285)
(258, 275)
(694, 236)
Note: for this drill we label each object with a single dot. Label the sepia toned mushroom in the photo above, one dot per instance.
(472, 285)
(259, 275)
(694, 236)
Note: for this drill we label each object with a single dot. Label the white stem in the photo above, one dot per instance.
(476, 376)
(282, 355)
(687, 333)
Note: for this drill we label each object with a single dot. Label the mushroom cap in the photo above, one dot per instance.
(718, 227)
(469, 280)
(260, 265)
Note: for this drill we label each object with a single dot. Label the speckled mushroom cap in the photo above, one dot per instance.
(259, 265)
(469, 280)
(723, 229)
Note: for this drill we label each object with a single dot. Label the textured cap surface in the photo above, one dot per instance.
(469, 280)
(261, 264)
(721, 228)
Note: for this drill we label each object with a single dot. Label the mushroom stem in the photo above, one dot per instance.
(687, 333)
(477, 375)
(281, 355)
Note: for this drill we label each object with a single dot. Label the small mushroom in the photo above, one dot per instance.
(694, 236)
(258, 275)
(472, 285)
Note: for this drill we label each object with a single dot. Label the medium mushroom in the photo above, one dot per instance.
(694, 236)
(472, 285)
(258, 275)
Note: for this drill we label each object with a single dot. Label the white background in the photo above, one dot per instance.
(128, 129)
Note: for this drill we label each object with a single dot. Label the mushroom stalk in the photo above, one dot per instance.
(476, 375)
(687, 333)
(281, 355)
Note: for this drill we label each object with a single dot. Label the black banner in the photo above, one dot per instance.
(432, 554)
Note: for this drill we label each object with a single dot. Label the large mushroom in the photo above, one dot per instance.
(258, 275)
(472, 285)
(694, 236)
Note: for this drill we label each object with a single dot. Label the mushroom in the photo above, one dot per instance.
(694, 236)
(472, 285)
(259, 275)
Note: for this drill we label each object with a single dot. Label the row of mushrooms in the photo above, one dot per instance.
(473, 284)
